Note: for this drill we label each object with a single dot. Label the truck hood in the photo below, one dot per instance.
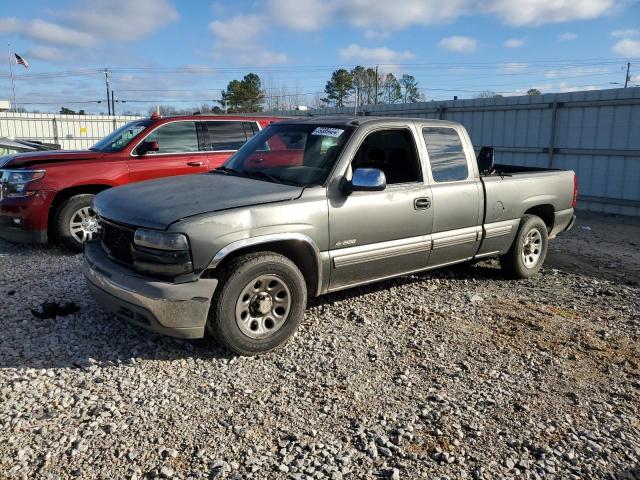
(157, 204)
(33, 158)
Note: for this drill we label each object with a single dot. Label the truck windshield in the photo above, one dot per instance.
(120, 138)
(292, 154)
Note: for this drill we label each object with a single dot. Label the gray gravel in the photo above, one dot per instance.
(453, 374)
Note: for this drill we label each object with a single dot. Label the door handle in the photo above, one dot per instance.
(422, 203)
(195, 164)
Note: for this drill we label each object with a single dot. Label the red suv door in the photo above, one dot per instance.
(180, 152)
(222, 138)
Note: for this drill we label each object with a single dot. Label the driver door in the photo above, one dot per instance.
(384, 233)
(179, 152)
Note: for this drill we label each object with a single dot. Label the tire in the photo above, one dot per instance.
(259, 303)
(529, 249)
(76, 209)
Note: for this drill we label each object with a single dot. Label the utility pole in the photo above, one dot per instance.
(355, 110)
(113, 103)
(375, 100)
(627, 77)
(106, 81)
(13, 82)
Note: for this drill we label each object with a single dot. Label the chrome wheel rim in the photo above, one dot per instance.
(84, 224)
(532, 248)
(263, 306)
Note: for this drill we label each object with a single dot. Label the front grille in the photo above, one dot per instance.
(117, 241)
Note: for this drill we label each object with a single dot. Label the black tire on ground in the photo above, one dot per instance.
(63, 216)
(235, 279)
(529, 249)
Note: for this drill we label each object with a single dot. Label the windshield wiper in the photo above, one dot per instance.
(252, 173)
(260, 173)
(226, 170)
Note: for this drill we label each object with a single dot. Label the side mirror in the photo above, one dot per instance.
(146, 147)
(366, 180)
(486, 159)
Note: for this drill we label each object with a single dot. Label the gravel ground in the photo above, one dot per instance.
(450, 374)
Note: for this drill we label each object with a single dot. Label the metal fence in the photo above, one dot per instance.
(596, 133)
(71, 132)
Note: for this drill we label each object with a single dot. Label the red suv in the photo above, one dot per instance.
(44, 194)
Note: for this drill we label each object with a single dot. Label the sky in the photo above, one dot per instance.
(182, 53)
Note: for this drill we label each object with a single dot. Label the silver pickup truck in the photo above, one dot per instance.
(312, 206)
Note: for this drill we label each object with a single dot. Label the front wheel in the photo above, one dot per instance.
(76, 222)
(259, 303)
(529, 249)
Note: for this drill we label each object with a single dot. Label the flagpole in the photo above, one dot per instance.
(13, 83)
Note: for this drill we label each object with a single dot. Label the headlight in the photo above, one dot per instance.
(160, 240)
(163, 254)
(14, 182)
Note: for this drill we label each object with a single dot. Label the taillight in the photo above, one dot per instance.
(575, 191)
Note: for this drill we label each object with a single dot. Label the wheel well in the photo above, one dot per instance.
(65, 194)
(299, 252)
(546, 212)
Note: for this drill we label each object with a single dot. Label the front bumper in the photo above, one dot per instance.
(25, 219)
(177, 310)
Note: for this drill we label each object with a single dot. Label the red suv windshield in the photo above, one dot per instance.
(120, 138)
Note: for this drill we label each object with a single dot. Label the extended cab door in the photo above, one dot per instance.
(384, 233)
(222, 138)
(457, 195)
(179, 152)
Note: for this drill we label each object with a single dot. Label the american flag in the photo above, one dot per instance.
(21, 61)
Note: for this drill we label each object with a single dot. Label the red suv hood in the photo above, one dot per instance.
(37, 158)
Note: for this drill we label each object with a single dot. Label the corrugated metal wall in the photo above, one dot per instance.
(71, 132)
(596, 133)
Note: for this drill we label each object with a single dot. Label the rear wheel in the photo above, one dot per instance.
(259, 304)
(76, 222)
(529, 249)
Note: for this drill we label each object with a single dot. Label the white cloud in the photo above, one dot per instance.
(539, 12)
(370, 56)
(376, 18)
(391, 16)
(563, 87)
(301, 15)
(459, 44)
(576, 72)
(239, 32)
(50, 54)
(512, 67)
(238, 37)
(627, 48)
(626, 33)
(259, 58)
(567, 36)
(84, 24)
(122, 20)
(53, 33)
(9, 24)
(514, 43)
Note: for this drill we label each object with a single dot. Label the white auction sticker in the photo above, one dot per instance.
(327, 132)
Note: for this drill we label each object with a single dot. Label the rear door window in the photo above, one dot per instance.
(446, 154)
(175, 137)
(226, 136)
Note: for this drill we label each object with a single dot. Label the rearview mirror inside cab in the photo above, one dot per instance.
(365, 180)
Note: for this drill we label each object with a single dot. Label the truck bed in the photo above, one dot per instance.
(512, 191)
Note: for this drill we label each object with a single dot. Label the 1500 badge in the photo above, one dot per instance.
(346, 243)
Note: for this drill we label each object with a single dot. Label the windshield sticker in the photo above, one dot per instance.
(328, 132)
